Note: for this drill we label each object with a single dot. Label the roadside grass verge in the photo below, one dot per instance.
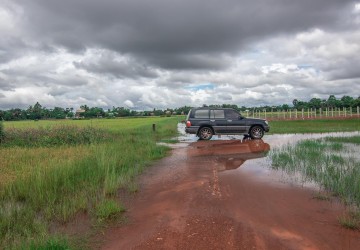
(51, 185)
(331, 162)
(314, 126)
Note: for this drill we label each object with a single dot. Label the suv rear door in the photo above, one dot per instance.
(218, 120)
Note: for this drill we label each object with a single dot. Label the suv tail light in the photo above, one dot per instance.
(188, 124)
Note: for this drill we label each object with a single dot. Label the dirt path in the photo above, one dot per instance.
(209, 195)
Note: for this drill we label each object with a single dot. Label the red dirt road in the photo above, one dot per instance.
(209, 195)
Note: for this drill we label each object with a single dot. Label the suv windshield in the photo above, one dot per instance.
(232, 114)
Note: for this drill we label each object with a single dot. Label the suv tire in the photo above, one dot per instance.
(256, 132)
(205, 133)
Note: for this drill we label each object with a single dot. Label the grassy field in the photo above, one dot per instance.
(314, 126)
(49, 179)
(42, 185)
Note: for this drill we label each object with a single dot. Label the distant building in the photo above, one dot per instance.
(79, 113)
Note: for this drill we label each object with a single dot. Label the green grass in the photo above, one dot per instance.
(108, 209)
(40, 186)
(314, 126)
(352, 139)
(327, 162)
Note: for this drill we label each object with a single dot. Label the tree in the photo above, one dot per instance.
(331, 101)
(295, 103)
(347, 101)
(35, 113)
(315, 103)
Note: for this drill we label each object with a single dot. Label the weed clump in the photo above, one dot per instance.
(351, 220)
(108, 209)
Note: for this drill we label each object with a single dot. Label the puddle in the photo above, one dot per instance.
(233, 155)
(279, 140)
(228, 154)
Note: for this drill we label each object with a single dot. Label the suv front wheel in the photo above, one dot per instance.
(256, 132)
(205, 133)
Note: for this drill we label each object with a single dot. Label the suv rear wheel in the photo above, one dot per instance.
(256, 132)
(205, 133)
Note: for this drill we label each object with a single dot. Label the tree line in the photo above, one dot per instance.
(37, 111)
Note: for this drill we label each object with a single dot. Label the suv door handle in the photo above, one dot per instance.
(212, 120)
(229, 120)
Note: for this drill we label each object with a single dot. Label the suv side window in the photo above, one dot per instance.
(202, 113)
(217, 114)
(232, 114)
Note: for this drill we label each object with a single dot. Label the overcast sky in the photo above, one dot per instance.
(146, 54)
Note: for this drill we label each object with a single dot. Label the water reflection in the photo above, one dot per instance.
(229, 154)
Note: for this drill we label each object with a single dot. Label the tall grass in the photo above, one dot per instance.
(39, 193)
(331, 164)
(52, 136)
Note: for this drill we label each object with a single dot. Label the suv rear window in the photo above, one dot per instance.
(217, 114)
(201, 113)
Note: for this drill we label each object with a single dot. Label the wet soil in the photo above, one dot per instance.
(218, 195)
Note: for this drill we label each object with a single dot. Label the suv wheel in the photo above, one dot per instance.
(256, 132)
(205, 133)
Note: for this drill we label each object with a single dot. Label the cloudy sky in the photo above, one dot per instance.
(146, 54)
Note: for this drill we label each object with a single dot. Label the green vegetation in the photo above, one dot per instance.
(314, 126)
(40, 186)
(331, 162)
(353, 139)
(49, 244)
(108, 209)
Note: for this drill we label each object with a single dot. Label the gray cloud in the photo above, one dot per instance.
(167, 53)
(117, 66)
(161, 30)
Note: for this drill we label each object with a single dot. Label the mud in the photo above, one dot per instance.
(220, 194)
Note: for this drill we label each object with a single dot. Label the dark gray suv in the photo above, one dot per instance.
(206, 122)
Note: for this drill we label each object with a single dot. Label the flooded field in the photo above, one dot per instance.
(223, 194)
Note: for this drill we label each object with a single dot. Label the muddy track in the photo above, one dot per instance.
(210, 195)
